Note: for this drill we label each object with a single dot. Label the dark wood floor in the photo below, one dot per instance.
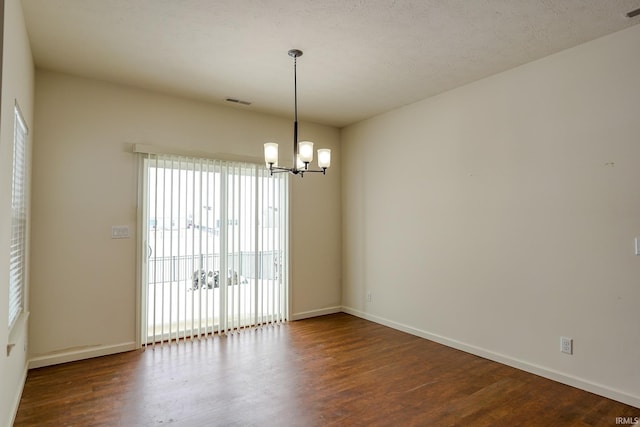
(335, 370)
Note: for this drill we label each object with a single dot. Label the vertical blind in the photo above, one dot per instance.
(18, 218)
(216, 247)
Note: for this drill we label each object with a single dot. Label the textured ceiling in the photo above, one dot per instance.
(361, 58)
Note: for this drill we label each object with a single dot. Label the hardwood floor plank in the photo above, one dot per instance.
(335, 370)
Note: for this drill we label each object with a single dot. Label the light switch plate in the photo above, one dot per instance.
(637, 245)
(120, 232)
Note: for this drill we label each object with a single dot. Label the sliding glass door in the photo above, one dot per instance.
(215, 247)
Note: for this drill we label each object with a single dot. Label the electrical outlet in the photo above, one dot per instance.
(368, 296)
(566, 345)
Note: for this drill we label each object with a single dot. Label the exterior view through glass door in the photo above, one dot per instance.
(215, 247)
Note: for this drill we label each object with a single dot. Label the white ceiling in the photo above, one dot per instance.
(361, 57)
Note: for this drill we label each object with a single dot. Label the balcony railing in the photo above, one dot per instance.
(182, 268)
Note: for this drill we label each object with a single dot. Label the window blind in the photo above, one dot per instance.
(18, 219)
(216, 246)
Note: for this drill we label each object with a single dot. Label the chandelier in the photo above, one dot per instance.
(302, 150)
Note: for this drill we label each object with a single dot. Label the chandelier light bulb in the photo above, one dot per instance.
(299, 162)
(271, 153)
(305, 149)
(324, 158)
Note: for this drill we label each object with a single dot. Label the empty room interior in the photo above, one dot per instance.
(474, 197)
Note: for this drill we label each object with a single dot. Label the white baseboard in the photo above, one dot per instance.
(79, 354)
(551, 374)
(316, 313)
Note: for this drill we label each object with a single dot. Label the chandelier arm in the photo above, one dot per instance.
(322, 171)
(276, 169)
(295, 171)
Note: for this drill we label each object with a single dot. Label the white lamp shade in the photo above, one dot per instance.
(305, 150)
(271, 153)
(324, 157)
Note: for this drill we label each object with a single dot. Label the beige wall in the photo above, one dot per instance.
(493, 218)
(84, 283)
(17, 84)
(500, 216)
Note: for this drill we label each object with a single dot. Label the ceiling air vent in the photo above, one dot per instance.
(633, 13)
(237, 101)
